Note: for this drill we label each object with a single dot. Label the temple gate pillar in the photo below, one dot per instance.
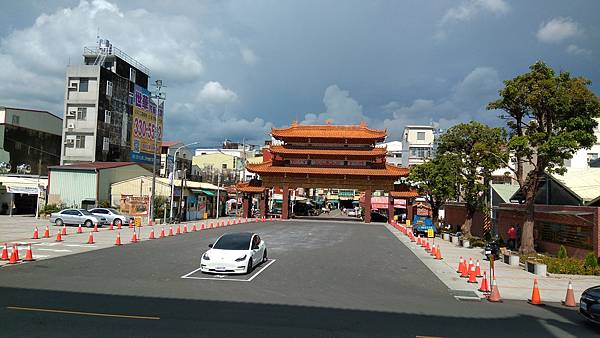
(285, 206)
(246, 206)
(262, 204)
(409, 209)
(368, 206)
(391, 210)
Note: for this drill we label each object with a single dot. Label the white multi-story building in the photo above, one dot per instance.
(417, 144)
(394, 152)
(583, 157)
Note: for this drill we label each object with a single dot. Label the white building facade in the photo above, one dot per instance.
(418, 144)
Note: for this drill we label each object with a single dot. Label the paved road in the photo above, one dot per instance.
(324, 279)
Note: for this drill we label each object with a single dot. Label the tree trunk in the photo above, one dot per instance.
(527, 242)
(466, 227)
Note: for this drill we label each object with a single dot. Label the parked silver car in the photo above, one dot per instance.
(112, 216)
(76, 217)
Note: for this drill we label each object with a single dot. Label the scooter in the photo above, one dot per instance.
(492, 249)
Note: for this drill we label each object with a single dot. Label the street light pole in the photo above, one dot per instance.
(158, 96)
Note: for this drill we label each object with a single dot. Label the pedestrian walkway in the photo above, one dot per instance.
(513, 282)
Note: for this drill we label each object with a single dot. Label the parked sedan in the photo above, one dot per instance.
(234, 253)
(112, 216)
(76, 217)
(589, 304)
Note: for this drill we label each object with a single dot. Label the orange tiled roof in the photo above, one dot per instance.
(404, 194)
(248, 187)
(340, 152)
(267, 167)
(360, 131)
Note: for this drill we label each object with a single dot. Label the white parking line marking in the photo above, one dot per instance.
(81, 245)
(221, 277)
(54, 250)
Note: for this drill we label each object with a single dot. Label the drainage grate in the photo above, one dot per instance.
(465, 295)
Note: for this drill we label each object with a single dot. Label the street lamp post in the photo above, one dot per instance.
(173, 175)
(158, 95)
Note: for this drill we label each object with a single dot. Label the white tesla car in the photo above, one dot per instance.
(234, 253)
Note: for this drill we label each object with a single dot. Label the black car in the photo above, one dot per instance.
(378, 217)
(589, 304)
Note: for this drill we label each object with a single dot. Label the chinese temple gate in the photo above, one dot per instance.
(336, 156)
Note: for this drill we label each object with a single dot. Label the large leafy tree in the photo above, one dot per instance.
(549, 117)
(438, 180)
(480, 150)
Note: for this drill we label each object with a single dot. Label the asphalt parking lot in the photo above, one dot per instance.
(323, 278)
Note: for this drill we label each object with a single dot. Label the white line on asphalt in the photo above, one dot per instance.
(54, 250)
(188, 276)
(81, 245)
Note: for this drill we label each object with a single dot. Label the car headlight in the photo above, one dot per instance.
(241, 258)
(205, 257)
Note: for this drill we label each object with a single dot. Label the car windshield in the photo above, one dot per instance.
(85, 212)
(114, 211)
(233, 242)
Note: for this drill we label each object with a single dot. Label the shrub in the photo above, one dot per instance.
(562, 252)
(591, 261)
(50, 208)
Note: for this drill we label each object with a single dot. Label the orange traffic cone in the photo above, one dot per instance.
(47, 232)
(460, 263)
(228, 223)
(5, 253)
(465, 271)
(438, 253)
(59, 237)
(433, 250)
(36, 235)
(110, 227)
(118, 240)
(495, 294)
(178, 230)
(478, 270)
(119, 226)
(211, 225)
(194, 228)
(151, 234)
(170, 231)
(246, 220)
(535, 294)
(16, 251)
(472, 275)
(64, 230)
(95, 227)
(162, 232)
(79, 230)
(483, 287)
(13, 257)
(202, 226)
(471, 264)
(91, 238)
(570, 298)
(28, 254)
(185, 229)
(130, 225)
(134, 238)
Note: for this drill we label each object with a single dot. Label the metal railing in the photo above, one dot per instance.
(96, 50)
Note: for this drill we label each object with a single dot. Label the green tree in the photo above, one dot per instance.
(480, 150)
(549, 117)
(438, 180)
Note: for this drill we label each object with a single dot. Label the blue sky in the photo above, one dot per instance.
(234, 69)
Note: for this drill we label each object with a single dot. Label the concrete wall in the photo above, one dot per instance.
(32, 119)
(109, 176)
(215, 159)
(456, 213)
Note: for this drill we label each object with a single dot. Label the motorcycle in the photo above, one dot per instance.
(492, 249)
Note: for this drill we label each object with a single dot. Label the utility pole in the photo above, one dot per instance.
(218, 190)
(158, 95)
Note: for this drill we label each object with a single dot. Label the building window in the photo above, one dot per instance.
(132, 75)
(107, 114)
(109, 86)
(592, 157)
(420, 152)
(16, 120)
(105, 143)
(224, 166)
(83, 85)
(81, 113)
(421, 136)
(80, 141)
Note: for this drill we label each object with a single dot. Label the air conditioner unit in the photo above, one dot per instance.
(69, 142)
(73, 85)
(71, 113)
(71, 126)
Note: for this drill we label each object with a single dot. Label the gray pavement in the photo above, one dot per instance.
(326, 278)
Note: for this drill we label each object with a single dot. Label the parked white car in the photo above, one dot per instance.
(76, 217)
(112, 216)
(234, 253)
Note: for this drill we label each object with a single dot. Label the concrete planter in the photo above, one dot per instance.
(455, 240)
(536, 268)
(446, 236)
(466, 243)
(512, 260)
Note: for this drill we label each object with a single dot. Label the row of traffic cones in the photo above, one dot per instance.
(13, 257)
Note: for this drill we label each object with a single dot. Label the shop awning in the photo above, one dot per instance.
(203, 191)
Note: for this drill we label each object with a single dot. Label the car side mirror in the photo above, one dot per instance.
(210, 245)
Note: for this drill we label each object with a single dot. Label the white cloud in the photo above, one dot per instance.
(214, 93)
(471, 8)
(557, 30)
(248, 56)
(340, 107)
(576, 50)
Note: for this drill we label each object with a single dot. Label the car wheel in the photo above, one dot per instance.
(249, 267)
(117, 222)
(265, 256)
(88, 223)
(59, 222)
